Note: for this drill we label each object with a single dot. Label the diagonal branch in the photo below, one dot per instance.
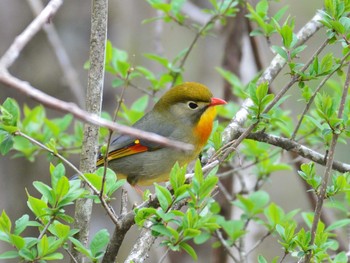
(327, 174)
(68, 107)
(269, 75)
(31, 30)
(68, 70)
(292, 146)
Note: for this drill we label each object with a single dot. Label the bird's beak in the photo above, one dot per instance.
(217, 101)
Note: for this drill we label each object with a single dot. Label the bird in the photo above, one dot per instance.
(184, 113)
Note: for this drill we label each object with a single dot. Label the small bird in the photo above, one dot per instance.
(184, 113)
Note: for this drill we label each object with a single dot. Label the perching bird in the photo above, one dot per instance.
(185, 113)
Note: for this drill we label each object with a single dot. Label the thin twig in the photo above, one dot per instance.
(293, 146)
(72, 258)
(224, 243)
(59, 156)
(68, 70)
(195, 39)
(164, 256)
(258, 243)
(110, 132)
(225, 193)
(330, 159)
(42, 233)
(268, 75)
(31, 30)
(308, 105)
(109, 210)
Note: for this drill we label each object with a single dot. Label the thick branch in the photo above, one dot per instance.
(89, 151)
(143, 244)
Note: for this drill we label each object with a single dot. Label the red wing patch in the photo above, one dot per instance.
(134, 148)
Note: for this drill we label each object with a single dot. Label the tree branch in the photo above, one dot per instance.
(330, 161)
(292, 146)
(142, 245)
(68, 70)
(34, 27)
(82, 115)
(269, 75)
(89, 151)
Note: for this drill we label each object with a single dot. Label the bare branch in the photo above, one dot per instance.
(68, 70)
(292, 146)
(142, 245)
(93, 100)
(22, 40)
(269, 74)
(330, 161)
(82, 115)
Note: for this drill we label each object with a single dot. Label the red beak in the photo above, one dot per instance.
(217, 101)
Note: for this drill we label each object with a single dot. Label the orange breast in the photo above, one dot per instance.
(204, 127)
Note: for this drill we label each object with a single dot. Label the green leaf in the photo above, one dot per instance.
(274, 214)
(161, 60)
(164, 196)
(43, 246)
(37, 206)
(9, 255)
(189, 250)
(28, 255)
(5, 223)
(261, 259)
(177, 176)
(164, 230)
(202, 238)
(53, 256)
(198, 172)
(21, 224)
(280, 51)
(208, 186)
(341, 258)
(117, 83)
(45, 190)
(261, 90)
(60, 230)
(287, 35)
(99, 242)
(6, 142)
(140, 104)
(80, 247)
(279, 14)
(12, 115)
(262, 7)
(56, 173)
(233, 228)
(191, 232)
(338, 224)
(18, 241)
(61, 188)
(142, 214)
(252, 204)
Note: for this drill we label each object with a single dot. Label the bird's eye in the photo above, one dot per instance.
(192, 105)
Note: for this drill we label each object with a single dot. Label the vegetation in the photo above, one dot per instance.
(247, 145)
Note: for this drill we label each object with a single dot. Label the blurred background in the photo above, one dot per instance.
(38, 65)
